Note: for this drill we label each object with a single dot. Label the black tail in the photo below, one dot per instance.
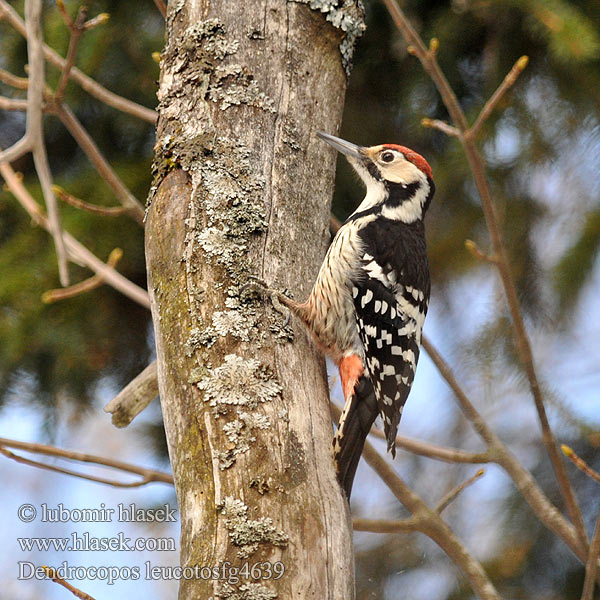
(354, 426)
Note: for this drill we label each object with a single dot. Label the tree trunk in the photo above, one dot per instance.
(243, 187)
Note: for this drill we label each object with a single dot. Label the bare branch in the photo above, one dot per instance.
(12, 104)
(431, 66)
(147, 475)
(105, 211)
(431, 524)
(64, 13)
(134, 397)
(40, 159)
(580, 463)
(384, 526)
(91, 283)
(591, 566)
(76, 28)
(466, 405)
(452, 494)
(87, 83)
(50, 572)
(497, 96)
(97, 20)
(451, 455)
(162, 7)
(427, 58)
(33, 12)
(500, 454)
(77, 252)
(34, 133)
(87, 144)
(441, 126)
(18, 149)
(473, 248)
(21, 83)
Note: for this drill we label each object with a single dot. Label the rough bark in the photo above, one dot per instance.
(242, 187)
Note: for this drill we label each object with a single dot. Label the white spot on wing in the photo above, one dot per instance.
(371, 330)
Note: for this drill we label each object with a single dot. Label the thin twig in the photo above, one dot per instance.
(8, 78)
(40, 465)
(33, 9)
(87, 285)
(431, 524)
(35, 130)
(76, 28)
(87, 83)
(591, 566)
(473, 248)
(441, 126)
(453, 493)
(77, 252)
(105, 211)
(130, 204)
(147, 475)
(450, 455)
(50, 572)
(64, 13)
(385, 526)
(501, 454)
(134, 397)
(87, 144)
(580, 463)
(491, 104)
(100, 19)
(12, 104)
(431, 66)
(162, 7)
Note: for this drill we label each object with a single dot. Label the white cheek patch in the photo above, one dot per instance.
(401, 171)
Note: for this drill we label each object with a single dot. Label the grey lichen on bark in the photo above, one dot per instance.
(241, 188)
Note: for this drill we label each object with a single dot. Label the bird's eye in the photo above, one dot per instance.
(387, 156)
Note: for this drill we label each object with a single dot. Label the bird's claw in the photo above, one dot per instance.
(260, 285)
(255, 284)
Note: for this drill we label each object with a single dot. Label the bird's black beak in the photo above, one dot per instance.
(347, 148)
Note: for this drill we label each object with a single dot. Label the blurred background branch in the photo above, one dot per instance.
(537, 133)
(146, 475)
(429, 61)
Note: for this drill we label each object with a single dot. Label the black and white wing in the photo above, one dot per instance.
(389, 317)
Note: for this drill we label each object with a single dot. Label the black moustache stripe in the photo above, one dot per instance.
(399, 193)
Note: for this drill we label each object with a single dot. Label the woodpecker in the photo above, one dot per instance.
(368, 304)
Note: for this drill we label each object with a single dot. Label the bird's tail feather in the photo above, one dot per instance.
(360, 412)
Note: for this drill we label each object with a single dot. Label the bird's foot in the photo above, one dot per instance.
(256, 284)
